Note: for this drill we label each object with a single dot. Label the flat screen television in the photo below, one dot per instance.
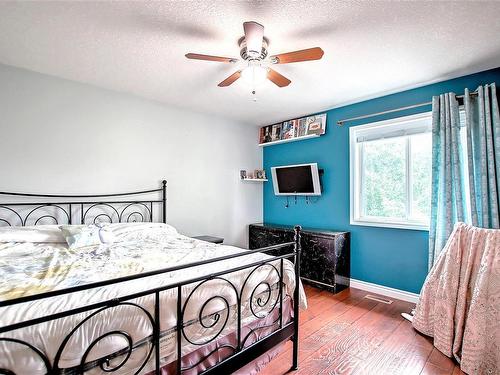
(300, 179)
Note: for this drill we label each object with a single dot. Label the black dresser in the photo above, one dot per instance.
(325, 260)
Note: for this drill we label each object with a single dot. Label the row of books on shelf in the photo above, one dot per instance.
(293, 128)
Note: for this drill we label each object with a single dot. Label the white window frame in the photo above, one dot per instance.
(355, 170)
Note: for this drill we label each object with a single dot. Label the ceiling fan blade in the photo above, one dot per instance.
(229, 80)
(254, 34)
(315, 53)
(197, 56)
(277, 79)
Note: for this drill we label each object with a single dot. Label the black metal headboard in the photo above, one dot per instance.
(84, 209)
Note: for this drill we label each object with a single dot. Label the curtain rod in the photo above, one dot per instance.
(341, 122)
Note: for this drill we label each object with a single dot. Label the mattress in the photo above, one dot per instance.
(33, 267)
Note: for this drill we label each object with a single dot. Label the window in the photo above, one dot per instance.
(391, 172)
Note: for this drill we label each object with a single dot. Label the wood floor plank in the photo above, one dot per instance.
(431, 369)
(310, 327)
(348, 351)
(320, 347)
(401, 353)
(345, 333)
(457, 371)
(438, 359)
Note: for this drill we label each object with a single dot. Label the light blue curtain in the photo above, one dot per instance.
(448, 200)
(465, 174)
(483, 143)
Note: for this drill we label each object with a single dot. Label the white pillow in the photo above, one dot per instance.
(86, 235)
(35, 234)
(124, 232)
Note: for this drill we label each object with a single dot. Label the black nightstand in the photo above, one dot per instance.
(210, 239)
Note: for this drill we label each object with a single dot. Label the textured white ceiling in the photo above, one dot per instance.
(370, 48)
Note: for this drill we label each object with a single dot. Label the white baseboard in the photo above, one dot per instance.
(385, 291)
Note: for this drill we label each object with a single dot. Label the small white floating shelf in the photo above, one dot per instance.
(254, 179)
(289, 140)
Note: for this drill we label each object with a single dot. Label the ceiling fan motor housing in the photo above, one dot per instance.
(253, 55)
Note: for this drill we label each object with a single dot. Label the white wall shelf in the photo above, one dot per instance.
(289, 140)
(254, 179)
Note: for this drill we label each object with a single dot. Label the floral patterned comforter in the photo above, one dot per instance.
(30, 268)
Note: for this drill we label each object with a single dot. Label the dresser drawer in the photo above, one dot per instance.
(325, 256)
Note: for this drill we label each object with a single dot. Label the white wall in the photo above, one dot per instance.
(59, 136)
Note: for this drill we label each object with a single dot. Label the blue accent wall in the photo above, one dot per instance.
(395, 258)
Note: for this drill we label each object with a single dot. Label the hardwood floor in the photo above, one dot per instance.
(346, 333)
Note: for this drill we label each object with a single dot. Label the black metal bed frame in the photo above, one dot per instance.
(260, 301)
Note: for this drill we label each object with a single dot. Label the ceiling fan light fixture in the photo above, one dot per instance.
(254, 74)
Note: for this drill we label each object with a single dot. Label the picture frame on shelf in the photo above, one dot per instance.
(316, 124)
(260, 174)
(265, 134)
(288, 129)
(276, 132)
(301, 127)
(243, 174)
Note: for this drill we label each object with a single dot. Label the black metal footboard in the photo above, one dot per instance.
(224, 328)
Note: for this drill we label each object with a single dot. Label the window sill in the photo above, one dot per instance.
(394, 225)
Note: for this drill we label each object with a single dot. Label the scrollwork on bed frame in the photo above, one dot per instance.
(222, 313)
(81, 209)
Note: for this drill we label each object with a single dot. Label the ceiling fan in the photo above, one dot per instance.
(253, 51)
